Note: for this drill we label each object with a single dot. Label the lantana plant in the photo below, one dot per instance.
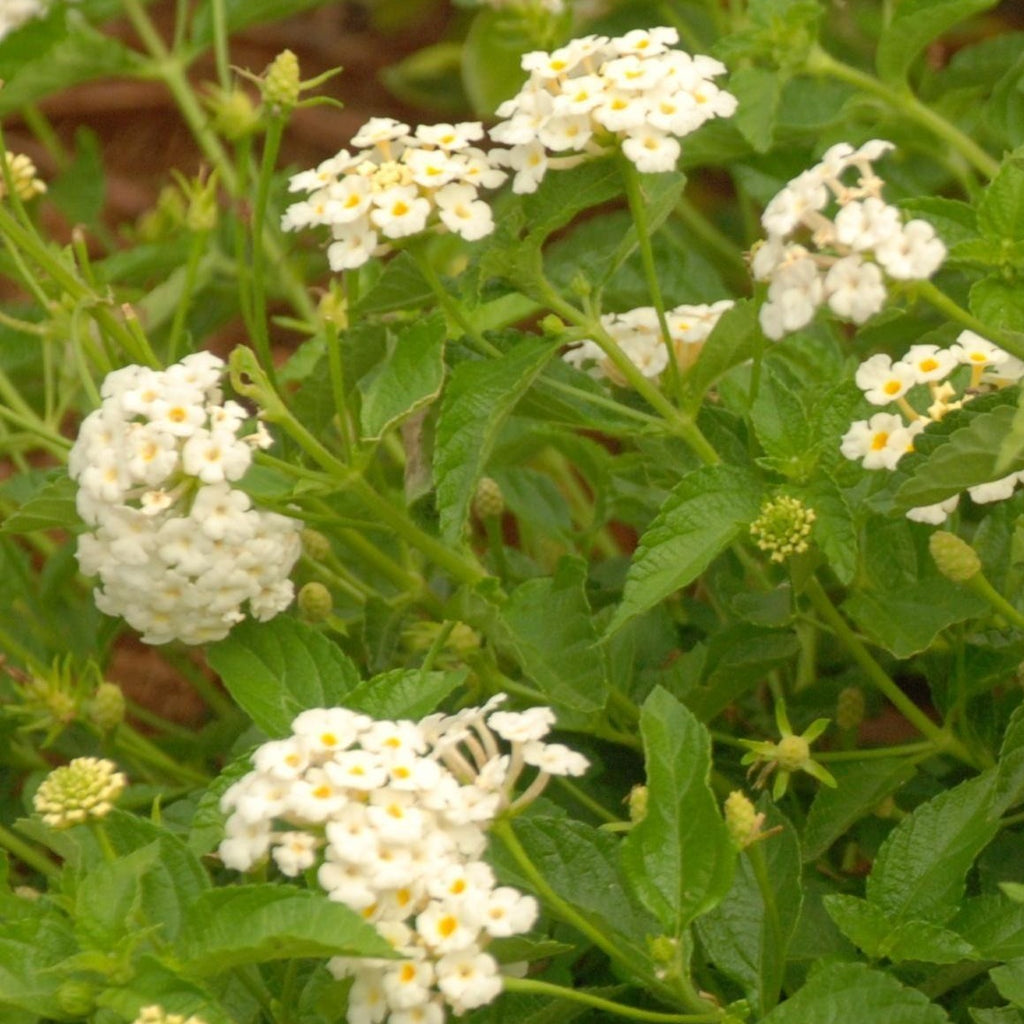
(554, 552)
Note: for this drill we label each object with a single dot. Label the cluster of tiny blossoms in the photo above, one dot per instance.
(851, 252)
(396, 184)
(393, 816)
(638, 333)
(178, 550)
(596, 94)
(920, 387)
(85, 788)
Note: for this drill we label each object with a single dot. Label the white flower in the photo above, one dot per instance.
(879, 442)
(882, 381)
(554, 758)
(933, 514)
(468, 979)
(929, 363)
(854, 289)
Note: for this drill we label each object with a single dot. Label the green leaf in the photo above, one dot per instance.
(966, 458)
(679, 858)
(240, 13)
(920, 868)
(731, 343)
(1001, 206)
(276, 669)
(1009, 980)
(79, 191)
(992, 924)
(954, 220)
(52, 508)
(401, 286)
(996, 1015)
(914, 24)
(582, 865)
(30, 945)
(249, 924)
(404, 693)
(860, 787)
(407, 379)
(758, 91)
(833, 530)
(869, 928)
(491, 55)
(479, 397)
(998, 302)
(747, 939)
(549, 630)
(50, 55)
(781, 423)
(704, 514)
(840, 993)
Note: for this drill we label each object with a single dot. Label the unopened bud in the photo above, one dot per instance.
(742, 821)
(849, 708)
(106, 707)
(315, 601)
(637, 804)
(77, 998)
(463, 640)
(953, 556)
(82, 789)
(488, 502)
(315, 544)
(783, 527)
(281, 82)
(27, 183)
(234, 114)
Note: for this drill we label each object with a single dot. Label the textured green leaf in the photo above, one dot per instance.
(914, 24)
(400, 286)
(780, 419)
(153, 982)
(920, 868)
(967, 458)
(582, 865)
(491, 55)
(833, 530)
(993, 924)
(905, 620)
(30, 944)
(841, 993)
(954, 220)
(746, 939)
(407, 379)
(679, 858)
(1001, 206)
(996, 1015)
(248, 924)
(1009, 980)
(730, 343)
(998, 302)
(861, 787)
(403, 693)
(51, 508)
(758, 91)
(705, 512)
(479, 396)
(276, 669)
(549, 630)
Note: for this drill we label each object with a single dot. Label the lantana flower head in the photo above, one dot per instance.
(921, 388)
(392, 818)
(395, 183)
(638, 333)
(85, 788)
(791, 754)
(832, 240)
(178, 548)
(596, 94)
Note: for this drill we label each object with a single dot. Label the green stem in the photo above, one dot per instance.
(913, 750)
(531, 986)
(641, 224)
(945, 305)
(903, 102)
(137, 746)
(981, 586)
(772, 929)
(197, 249)
(725, 250)
(681, 424)
(28, 854)
(941, 738)
(337, 371)
(220, 44)
(581, 796)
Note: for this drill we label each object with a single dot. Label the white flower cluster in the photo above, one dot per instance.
(393, 816)
(178, 549)
(923, 375)
(395, 185)
(596, 93)
(851, 253)
(638, 333)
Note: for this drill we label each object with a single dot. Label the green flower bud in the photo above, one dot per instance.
(850, 708)
(488, 502)
(315, 544)
(463, 641)
(792, 753)
(315, 601)
(77, 998)
(106, 708)
(281, 83)
(637, 804)
(742, 821)
(27, 183)
(553, 326)
(953, 556)
(663, 949)
(234, 114)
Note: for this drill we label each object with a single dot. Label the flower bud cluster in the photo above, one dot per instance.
(922, 388)
(393, 816)
(156, 1014)
(395, 184)
(85, 788)
(783, 528)
(638, 333)
(178, 550)
(27, 183)
(848, 254)
(598, 94)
